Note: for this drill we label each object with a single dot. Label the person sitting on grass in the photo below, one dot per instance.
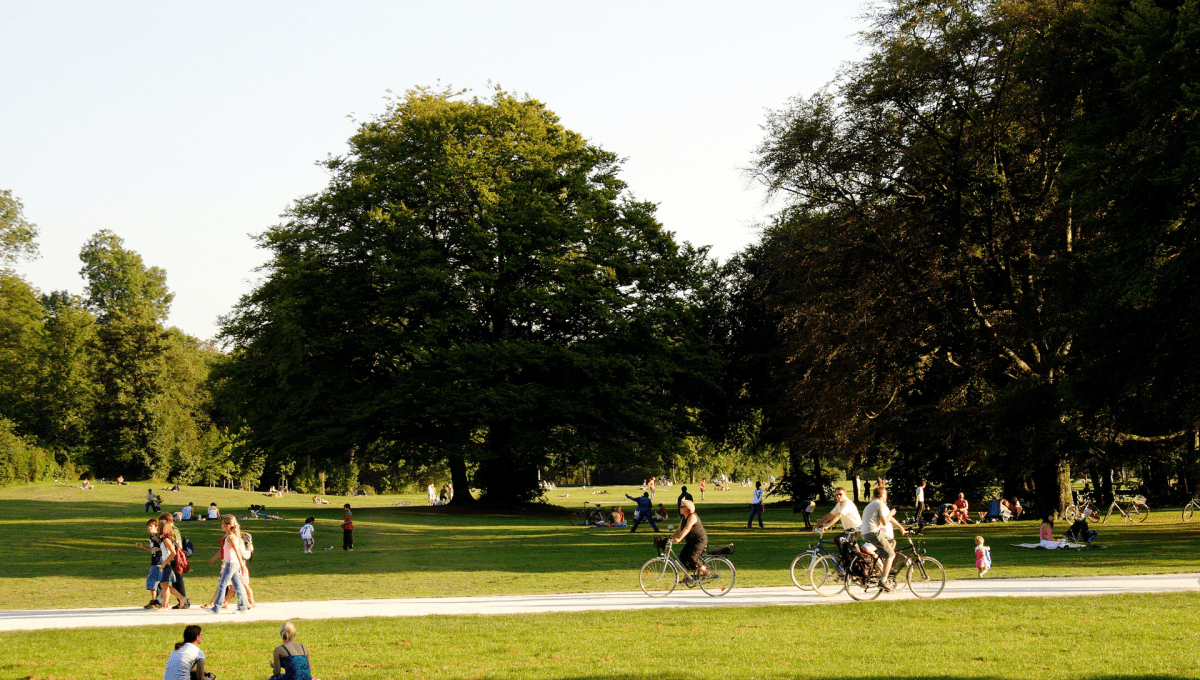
(661, 515)
(1013, 506)
(960, 510)
(618, 517)
(290, 661)
(213, 511)
(320, 501)
(187, 661)
(1046, 535)
(946, 514)
(187, 513)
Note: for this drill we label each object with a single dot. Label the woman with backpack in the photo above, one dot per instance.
(171, 564)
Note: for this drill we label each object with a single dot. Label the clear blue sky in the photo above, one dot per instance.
(186, 127)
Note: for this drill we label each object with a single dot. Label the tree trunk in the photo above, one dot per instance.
(458, 479)
(506, 477)
(1053, 482)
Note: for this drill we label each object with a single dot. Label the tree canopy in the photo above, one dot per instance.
(474, 285)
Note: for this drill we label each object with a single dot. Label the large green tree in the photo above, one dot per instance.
(17, 235)
(474, 285)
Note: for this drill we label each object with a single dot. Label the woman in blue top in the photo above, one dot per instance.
(290, 661)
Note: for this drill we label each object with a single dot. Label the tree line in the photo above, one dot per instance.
(983, 275)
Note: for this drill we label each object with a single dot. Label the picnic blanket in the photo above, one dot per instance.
(1065, 545)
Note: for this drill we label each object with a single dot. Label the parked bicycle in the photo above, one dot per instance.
(1190, 508)
(588, 515)
(1083, 510)
(862, 578)
(659, 575)
(1135, 511)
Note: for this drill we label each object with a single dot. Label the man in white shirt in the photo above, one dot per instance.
(756, 505)
(877, 520)
(844, 510)
(187, 662)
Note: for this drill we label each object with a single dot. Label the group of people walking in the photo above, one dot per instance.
(169, 552)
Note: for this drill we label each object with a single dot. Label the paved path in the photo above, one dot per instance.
(534, 604)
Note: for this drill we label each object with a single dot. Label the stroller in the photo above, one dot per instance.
(1079, 533)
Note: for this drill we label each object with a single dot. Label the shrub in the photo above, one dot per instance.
(21, 461)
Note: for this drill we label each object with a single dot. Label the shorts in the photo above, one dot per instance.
(691, 553)
(884, 545)
(308, 543)
(153, 578)
(167, 574)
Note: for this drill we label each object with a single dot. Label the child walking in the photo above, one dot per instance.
(153, 546)
(983, 557)
(306, 534)
(348, 527)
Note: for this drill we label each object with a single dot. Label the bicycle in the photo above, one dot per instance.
(1190, 508)
(659, 575)
(924, 575)
(806, 559)
(587, 516)
(1138, 510)
(1083, 510)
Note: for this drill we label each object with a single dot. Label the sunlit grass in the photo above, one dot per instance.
(53, 535)
(1125, 636)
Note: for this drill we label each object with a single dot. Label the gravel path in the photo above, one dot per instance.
(535, 604)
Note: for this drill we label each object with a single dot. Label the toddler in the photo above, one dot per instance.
(983, 556)
(306, 534)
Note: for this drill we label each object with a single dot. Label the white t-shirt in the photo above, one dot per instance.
(849, 513)
(179, 664)
(186, 512)
(875, 518)
(920, 494)
(758, 496)
(212, 512)
(306, 532)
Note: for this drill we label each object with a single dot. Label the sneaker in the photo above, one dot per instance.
(887, 585)
(186, 604)
(153, 605)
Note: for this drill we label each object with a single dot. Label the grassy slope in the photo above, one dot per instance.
(1145, 636)
(49, 532)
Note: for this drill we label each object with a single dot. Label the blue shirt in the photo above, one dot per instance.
(186, 512)
(644, 504)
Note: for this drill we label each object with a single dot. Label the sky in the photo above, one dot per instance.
(186, 128)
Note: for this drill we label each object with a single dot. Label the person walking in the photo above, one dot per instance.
(348, 528)
(431, 493)
(683, 496)
(644, 512)
(172, 573)
(233, 557)
(920, 503)
(756, 506)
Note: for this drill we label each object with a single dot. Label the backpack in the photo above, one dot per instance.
(187, 546)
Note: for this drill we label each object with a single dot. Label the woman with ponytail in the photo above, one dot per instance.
(233, 560)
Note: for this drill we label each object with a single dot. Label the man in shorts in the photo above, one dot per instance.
(877, 521)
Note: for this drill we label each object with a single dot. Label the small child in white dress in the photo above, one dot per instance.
(306, 534)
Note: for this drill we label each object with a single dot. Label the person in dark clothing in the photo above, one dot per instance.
(691, 533)
(683, 496)
(644, 512)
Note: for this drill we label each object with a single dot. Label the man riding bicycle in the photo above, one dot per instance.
(877, 530)
(691, 533)
(844, 510)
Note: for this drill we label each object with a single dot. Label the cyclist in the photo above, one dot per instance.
(877, 521)
(845, 510)
(695, 540)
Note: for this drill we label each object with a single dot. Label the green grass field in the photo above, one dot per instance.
(53, 535)
(1126, 636)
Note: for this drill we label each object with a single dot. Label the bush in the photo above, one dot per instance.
(21, 461)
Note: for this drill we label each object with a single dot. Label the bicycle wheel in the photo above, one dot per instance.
(576, 519)
(658, 577)
(926, 577)
(721, 575)
(597, 517)
(1138, 512)
(800, 568)
(1187, 511)
(1071, 513)
(862, 587)
(826, 576)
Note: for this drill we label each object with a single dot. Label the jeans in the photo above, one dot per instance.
(230, 572)
(638, 518)
(755, 509)
(149, 504)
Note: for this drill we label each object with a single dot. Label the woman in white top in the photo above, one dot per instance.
(233, 559)
(213, 512)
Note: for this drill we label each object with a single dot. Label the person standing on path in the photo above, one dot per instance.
(232, 562)
(756, 506)
(644, 512)
(348, 528)
(187, 661)
(683, 496)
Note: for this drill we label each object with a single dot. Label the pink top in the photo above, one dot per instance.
(1046, 535)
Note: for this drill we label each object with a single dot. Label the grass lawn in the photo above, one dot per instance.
(1126, 636)
(63, 547)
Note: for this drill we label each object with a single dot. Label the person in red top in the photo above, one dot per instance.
(960, 510)
(347, 529)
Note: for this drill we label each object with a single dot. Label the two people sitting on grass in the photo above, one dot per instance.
(618, 517)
